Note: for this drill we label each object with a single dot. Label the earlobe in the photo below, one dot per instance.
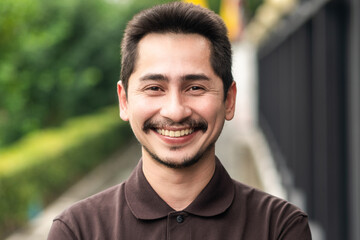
(230, 102)
(122, 101)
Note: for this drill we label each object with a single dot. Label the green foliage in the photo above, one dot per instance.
(214, 5)
(251, 7)
(58, 59)
(38, 168)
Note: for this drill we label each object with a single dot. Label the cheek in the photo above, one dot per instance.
(141, 110)
(211, 109)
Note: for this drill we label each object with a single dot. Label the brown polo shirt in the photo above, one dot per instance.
(225, 209)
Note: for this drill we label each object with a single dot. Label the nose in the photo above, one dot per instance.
(175, 107)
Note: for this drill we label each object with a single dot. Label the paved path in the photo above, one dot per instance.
(231, 149)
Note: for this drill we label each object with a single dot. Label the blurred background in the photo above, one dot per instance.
(297, 67)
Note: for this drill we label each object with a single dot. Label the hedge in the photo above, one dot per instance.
(35, 170)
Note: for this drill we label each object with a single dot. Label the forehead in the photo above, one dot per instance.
(174, 45)
(162, 52)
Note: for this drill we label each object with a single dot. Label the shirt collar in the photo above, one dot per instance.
(146, 204)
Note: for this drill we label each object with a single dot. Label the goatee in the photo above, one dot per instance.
(186, 162)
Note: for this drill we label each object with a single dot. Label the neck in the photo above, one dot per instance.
(179, 187)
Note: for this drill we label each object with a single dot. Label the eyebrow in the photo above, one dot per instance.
(192, 77)
(187, 77)
(151, 76)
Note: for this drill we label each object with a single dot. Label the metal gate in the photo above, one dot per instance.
(309, 109)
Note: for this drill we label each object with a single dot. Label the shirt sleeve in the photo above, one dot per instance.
(60, 231)
(297, 229)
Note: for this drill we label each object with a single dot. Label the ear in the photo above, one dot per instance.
(230, 102)
(122, 102)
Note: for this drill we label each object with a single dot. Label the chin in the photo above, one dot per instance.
(185, 162)
(180, 164)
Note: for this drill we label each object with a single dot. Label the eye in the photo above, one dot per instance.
(153, 88)
(196, 88)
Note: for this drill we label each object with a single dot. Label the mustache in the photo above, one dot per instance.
(200, 124)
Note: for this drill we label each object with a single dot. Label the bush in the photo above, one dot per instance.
(250, 7)
(58, 59)
(39, 167)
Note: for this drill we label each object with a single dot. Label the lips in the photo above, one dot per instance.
(177, 133)
(172, 129)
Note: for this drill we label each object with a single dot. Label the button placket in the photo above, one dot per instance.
(178, 226)
(180, 219)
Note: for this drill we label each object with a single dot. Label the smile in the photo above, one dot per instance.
(178, 133)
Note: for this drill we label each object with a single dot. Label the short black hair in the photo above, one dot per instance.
(178, 17)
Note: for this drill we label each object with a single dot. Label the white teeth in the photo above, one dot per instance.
(179, 133)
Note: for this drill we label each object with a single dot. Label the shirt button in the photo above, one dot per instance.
(180, 219)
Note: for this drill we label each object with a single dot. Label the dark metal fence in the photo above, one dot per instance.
(309, 109)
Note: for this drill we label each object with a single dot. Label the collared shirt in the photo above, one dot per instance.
(225, 209)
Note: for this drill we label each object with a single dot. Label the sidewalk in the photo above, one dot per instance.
(239, 147)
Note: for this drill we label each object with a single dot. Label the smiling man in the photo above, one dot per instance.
(176, 91)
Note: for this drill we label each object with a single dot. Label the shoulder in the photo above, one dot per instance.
(258, 200)
(276, 216)
(91, 213)
(99, 202)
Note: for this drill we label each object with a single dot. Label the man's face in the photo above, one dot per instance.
(175, 102)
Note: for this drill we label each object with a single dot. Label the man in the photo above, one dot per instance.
(176, 91)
